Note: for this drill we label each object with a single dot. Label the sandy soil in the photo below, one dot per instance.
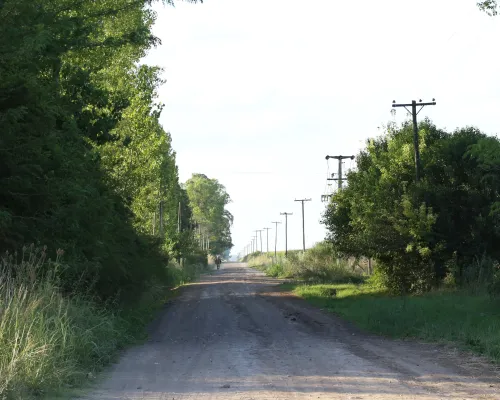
(233, 335)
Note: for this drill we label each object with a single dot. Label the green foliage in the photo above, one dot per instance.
(208, 199)
(414, 230)
(84, 161)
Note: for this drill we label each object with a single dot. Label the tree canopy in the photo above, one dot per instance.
(85, 164)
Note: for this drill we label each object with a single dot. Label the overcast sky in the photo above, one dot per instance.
(259, 92)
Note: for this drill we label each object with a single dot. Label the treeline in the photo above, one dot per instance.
(445, 228)
(85, 165)
(88, 177)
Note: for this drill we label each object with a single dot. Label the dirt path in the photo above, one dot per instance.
(231, 336)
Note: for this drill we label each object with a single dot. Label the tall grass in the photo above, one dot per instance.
(49, 341)
(315, 265)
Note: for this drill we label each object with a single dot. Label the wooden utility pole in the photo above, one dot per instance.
(340, 178)
(416, 142)
(303, 224)
(179, 218)
(267, 238)
(286, 214)
(260, 232)
(161, 218)
(275, 236)
(154, 222)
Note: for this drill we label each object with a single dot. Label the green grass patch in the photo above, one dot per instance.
(470, 321)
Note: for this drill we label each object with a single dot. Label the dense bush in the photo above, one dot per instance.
(420, 232)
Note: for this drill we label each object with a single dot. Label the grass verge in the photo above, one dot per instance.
(470, 321)
(51, 344)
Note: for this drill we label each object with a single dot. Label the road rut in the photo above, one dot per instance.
(233, 336)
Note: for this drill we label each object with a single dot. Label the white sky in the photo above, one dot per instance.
(259, 92)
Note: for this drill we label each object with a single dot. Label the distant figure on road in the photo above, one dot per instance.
(218, 260)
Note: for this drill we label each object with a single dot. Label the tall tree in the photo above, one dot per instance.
(208, 199)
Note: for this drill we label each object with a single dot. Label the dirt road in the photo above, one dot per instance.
(233, 336)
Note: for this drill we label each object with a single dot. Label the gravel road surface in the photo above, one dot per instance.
(233, 335)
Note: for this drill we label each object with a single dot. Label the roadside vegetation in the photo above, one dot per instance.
(87, 169)
(317, 264)
(51, 341)
(469, 320)
(434, 243)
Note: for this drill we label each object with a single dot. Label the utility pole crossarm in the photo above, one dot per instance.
(432, 103)
(340, 158)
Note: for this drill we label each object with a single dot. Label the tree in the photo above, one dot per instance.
(415, 229)
(208, 199)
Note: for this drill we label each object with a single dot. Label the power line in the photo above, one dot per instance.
(303, 225)
(414, 114)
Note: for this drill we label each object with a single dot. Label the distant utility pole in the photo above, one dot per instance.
(154, 222)
(340, 158)
(267, 238)
(161, 218)
(275, 236)
(260, 233)
(257, 239)
(414, 114)
(286, 231)
(179, 218)
(303, 225)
